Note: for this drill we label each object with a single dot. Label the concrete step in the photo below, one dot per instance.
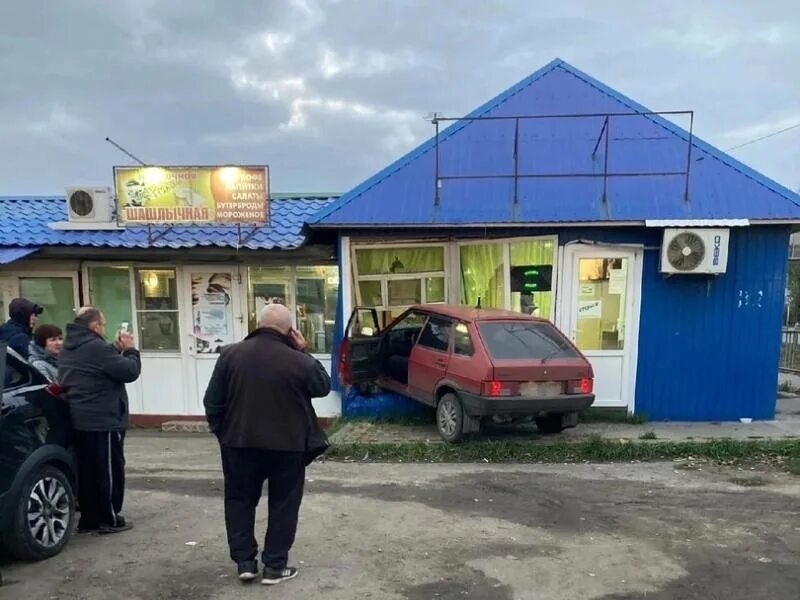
(199, 426)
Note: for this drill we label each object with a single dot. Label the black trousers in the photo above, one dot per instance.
(245, 470)
(101, 476)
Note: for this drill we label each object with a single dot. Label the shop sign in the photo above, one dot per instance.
(192, 194)
(590, 309)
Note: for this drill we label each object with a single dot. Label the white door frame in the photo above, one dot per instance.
(566, 315)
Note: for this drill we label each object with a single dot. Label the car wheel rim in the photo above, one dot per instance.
(48, 512)
(448, 418)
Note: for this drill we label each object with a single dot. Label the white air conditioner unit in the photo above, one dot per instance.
(697, 251)
(87, 204)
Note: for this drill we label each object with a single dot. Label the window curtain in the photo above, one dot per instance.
(110, 290)
(388, 261)
(482, 275)
(534, 252)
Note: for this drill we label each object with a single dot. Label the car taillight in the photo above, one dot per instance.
(581, 386)
(499, 388)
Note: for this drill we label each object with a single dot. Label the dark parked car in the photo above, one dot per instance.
(37, 469)
(471, 363)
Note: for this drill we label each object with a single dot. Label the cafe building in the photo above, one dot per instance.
(186, 278)
(663, 258)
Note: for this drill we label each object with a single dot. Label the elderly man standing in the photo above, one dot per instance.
(93, 374)
(258, 404)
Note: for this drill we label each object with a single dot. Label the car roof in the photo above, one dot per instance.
(470, 313)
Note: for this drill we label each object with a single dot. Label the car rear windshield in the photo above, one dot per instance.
(525, 339)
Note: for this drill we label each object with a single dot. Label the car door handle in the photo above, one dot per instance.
(441, 362)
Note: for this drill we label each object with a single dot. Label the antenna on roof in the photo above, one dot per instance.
(478, 305)
(121, 149)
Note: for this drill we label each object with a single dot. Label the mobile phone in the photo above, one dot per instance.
(124, 326)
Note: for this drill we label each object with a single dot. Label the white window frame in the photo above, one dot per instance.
(384, 278)
(132, 268)
(506, 246)
(12, 283)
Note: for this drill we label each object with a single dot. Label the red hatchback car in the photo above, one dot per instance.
(471, 363)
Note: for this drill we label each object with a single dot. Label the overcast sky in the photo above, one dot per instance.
(327, 92)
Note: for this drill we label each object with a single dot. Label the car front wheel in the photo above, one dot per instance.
(45, 511)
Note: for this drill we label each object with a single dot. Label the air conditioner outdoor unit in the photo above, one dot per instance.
(87, 204)
(695, 251)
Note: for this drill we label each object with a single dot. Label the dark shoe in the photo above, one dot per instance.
(248, 570)
(276, 576)
(108, 529)
(120, 521)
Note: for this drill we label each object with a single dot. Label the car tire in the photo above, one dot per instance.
(46, 492)
(550, 424)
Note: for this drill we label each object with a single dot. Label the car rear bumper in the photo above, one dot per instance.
(481, 406)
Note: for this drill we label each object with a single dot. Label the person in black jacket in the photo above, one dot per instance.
(17, 332)
(258, 404)
(93, 374)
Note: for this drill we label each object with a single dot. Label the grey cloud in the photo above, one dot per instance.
(329, 92)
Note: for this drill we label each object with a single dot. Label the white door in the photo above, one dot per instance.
(217, 318)
(599, 310)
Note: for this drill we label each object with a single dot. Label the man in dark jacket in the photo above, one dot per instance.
(17, 332)
(258, 403)
(93, 374)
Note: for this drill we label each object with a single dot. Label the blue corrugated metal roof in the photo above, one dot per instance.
(720, 187)
(9, 255)
(24, 221)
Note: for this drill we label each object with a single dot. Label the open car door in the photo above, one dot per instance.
(360, 356)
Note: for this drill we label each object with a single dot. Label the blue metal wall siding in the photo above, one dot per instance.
(708, 348)
(719, 187)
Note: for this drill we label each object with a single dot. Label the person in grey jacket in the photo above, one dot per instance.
(44, 349)
(93, 374)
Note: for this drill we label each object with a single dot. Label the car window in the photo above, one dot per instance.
(412, 320)
(436, 334)
(462, 341)
(525, 339)
(16, 374)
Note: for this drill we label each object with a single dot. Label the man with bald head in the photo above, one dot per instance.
(258, 404)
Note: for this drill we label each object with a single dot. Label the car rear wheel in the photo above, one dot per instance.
(550, 424)
(451, 420)
(45, 512)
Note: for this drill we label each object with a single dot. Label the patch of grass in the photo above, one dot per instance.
(648, 435)
(611, 415)
(594, 449)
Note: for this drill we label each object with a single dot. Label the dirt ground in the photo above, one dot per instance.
(447, 532)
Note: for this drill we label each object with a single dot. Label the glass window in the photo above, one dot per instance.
(266, 285)
(434, 289)
(602, 289)
(384, 261)
(392, 279)
(436, 334)
(370, 293)
(157, 310)
(532, 277)
(110, 291)
(56, 295)
(482, 275)
(316, 294)
(462, 341)
(404, 292)
(525, 339)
